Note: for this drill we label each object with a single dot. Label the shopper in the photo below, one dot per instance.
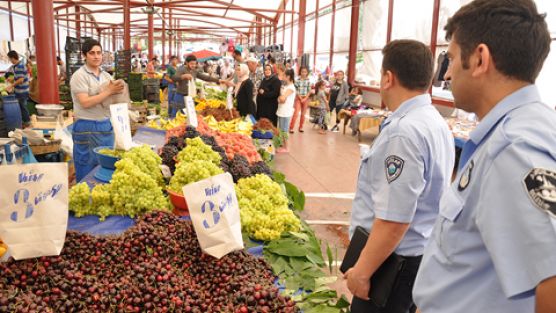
(185, 75)
(493, 246)
(401, 177)
(244, 91)
(62, 74)
(226, 70)
(92, 127)
(339, 94)
(238, 58)
(171, 70)
(303, 92)
(20, 85)
(267, 97)
(223, 48)
(285, 106)
(324, 109)
(151, 72)
(255, 75)
(136, 66)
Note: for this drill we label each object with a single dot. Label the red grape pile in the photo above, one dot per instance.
(155, 266)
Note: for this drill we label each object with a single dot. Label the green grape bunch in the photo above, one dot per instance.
(197, 150)
(264, 210)
(191, 172)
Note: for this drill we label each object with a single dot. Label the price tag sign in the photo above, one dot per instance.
(190, 111)
(34, 209)
(119, 117)
(214, 212)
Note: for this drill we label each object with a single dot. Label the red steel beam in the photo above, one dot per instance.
(291, 29)
(316, 35)
(127, 26)
(28, 19)
(11, 20)
(434, 31)
(196, 13)
(354, 33)
(301, 30)
(163, 36)
(332, 26)
(77, 22)
(170, 37)
(151, 36)
(390, 20)
(46, 51)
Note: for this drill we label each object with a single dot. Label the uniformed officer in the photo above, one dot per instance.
(401, 177)
(493, 247)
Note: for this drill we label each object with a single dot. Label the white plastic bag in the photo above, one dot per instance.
(230, 98)
(214, 211)
(34, 209)
(192, 88)
(190, 111)
(119, 117)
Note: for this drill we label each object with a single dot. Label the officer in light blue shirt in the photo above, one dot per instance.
(401, 177)
(493, 247)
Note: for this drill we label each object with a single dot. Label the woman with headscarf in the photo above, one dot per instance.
(244, 91)
(267, 96)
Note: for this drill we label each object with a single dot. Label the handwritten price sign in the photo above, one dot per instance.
(34, 208)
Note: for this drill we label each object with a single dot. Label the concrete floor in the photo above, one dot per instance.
(325, 167)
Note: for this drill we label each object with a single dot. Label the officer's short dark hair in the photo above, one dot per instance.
(88, 45)
(13, 55)
(411, 61)
(58, 59)
(190, 58)
(173, 57)
(516, 34)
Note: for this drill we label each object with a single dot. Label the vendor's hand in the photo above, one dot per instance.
(115, 87)
(261, 91)
(187, 76)
(358, 283)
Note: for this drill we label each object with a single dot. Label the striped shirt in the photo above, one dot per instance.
(303, 86)
(20, 71)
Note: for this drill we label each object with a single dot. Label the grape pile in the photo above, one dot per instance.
(177, 142)
(135, 188)
(261, 168)
(167, 153)
(155, 266)
(264, 208)
(190, 172)
(239, 167)
(196, 150)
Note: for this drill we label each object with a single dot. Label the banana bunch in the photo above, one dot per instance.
(210, 103)
(167, 124)
(234, 126)
(3, 248)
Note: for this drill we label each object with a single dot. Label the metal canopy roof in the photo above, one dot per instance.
(224, 18)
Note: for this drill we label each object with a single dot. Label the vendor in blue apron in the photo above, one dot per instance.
(171, 71)
(92, 127)
(401, 178)
(493, 248)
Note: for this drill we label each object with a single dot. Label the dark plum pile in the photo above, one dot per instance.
(155, 266)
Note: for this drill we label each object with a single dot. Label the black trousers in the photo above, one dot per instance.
(400, 300)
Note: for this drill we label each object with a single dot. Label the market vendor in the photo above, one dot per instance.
(185, 74)
(92, 127)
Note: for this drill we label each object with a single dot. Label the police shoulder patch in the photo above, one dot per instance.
(540, 185)
(394, 167)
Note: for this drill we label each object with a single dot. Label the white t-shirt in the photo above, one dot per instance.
(286, 109)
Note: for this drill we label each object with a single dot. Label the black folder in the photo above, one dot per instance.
(385, 277)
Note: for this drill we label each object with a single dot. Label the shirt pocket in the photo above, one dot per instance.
(447, 235)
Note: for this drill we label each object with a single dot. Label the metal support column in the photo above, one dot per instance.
(163, 35)
(77, 22)
(46, 51)
(301, 30)
(331, 53)
(11, 20)
(150, 23)
(28, 19)
(353, 36)
(170, 25)
(127, 26)
(258, 31)
(291, 28)
(316, 35)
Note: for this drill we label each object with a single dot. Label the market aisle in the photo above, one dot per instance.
(325, 167)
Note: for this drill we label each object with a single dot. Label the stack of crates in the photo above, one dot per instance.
(135, 83)
(123, 64)
(152, 90)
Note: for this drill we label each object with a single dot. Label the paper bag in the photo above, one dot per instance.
(190, 112)
(214, 211)
(34, 209)
(119, 117)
